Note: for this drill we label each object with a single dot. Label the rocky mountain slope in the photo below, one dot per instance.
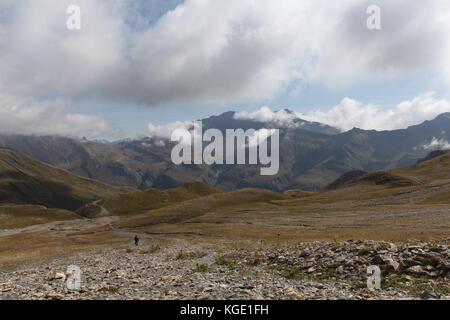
(304, 271)
(311, 156)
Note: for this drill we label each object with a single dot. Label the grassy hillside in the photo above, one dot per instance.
(24, 180)
(298, 193)
(382, 178)
(14, 216)
(435, 169)
(141, 201)
(183, 211)
(372, 206)
(425, 182)
(395, 204)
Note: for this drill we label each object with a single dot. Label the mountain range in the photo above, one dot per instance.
(312, 155)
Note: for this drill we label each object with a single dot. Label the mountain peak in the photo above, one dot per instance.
(287, 111)
(443, 116)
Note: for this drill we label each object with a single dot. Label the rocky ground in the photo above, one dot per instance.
(316, 270)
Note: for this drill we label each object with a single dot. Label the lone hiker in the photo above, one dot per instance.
(136, 240)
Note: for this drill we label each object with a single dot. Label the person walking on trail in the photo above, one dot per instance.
(136, 240)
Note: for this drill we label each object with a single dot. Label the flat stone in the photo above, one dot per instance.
(416, 269)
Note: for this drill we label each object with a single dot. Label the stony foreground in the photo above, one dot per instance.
(304, 271)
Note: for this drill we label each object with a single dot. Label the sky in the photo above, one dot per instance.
(140, 67)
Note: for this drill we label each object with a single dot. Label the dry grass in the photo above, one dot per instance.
(298, 193)
(379, 207)
(13, 216)
(186, 210)
(141, 201)
(253, 217)
(37, 246)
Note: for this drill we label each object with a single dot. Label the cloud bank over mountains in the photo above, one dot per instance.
(347, 115)
(436, 144)
(354, 114)
(165, 131)
(351, 113)
(201, 51)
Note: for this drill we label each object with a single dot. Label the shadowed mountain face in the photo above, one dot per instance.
(26, 181)
(311, 155)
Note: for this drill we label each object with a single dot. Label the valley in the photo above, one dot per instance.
(405, 207)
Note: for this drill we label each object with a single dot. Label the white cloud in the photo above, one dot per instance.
(413, 39)
(282, 118)
(160, 143)
(215, 51)
(53, 117)
(165, 131)
(351, 113)
(40, 56)
(437, 144)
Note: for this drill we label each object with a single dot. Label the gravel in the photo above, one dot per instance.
(317, 270)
